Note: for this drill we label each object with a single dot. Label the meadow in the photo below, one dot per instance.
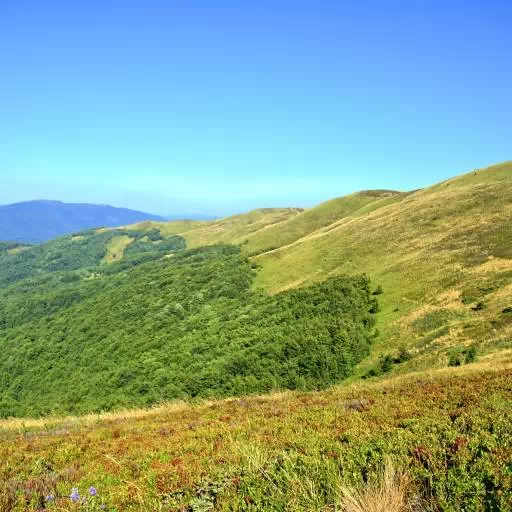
(446, 433)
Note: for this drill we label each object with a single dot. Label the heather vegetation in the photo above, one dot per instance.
(447, 435)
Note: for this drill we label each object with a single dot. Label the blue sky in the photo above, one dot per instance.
(222, 106)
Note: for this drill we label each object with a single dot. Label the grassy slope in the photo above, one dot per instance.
(437, 252)
(234, 230)
(451, 429)
(335, 211)
(116, 247)
(169, 228)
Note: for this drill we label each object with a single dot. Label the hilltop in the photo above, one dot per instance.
(38, 221)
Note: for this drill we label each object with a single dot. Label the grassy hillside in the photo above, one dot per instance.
(235, 229)
(333, 212)
(464, 220)
(447, 433)
(443, 256)
(232, 230)
(129, 317)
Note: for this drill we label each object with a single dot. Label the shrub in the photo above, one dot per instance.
(374, 306)
(455, 359)
(469, 354)
(479, 306)
(459, 357)
(378, 290)
(386, 363)
(403, 355)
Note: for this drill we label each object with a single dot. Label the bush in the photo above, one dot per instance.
(455, 359)
(459, 357)
(403, 355)
(374, 306)
(386, 363)
(479, 306)
(469, 354)
(378, 290)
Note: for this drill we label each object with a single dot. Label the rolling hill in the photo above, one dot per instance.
(439, 258)
(442, 254)
(403, 299)
(37, 221)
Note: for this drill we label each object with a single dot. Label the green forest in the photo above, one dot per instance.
(164, 323)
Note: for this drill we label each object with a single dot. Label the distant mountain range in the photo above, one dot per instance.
(38, 221)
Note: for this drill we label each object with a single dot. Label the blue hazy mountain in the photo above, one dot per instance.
(38, 221)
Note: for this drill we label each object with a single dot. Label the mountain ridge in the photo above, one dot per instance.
(39, 220)
(437, 251)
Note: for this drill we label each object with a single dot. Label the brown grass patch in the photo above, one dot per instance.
(494, 264)
(389, 491)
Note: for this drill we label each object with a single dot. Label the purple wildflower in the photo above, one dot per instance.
(50, 497)
(93, 491)
(75, 495)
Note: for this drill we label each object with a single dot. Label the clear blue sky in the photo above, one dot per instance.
(220, 106)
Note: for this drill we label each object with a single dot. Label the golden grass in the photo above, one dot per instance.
(388, 491)
(91, 419)
(493, 265)
(238, 228)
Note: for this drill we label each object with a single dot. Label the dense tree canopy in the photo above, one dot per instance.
(78, 335)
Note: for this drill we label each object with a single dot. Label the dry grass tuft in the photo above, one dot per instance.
(389, 491)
